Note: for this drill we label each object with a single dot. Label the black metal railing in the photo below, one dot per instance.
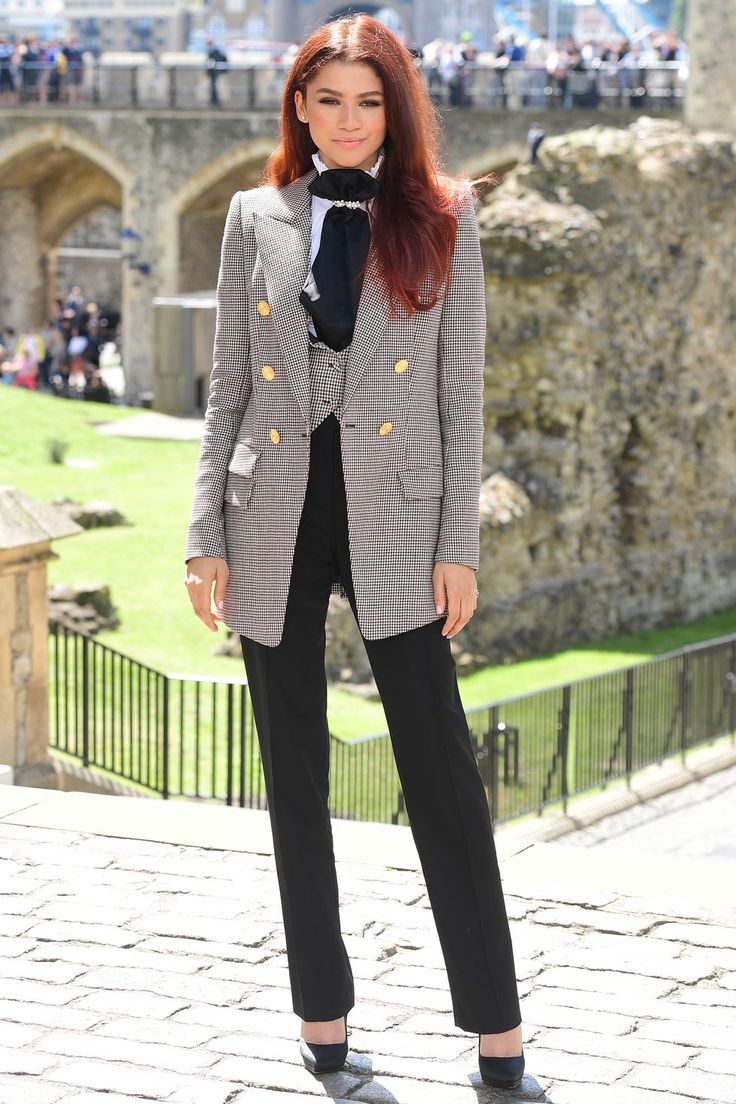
(186, 737)
(148, 84)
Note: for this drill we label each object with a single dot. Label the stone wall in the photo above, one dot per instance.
(609, 498)
(20, 282)
(170, 174)
(711, 37)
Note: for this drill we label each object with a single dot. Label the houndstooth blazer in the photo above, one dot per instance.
(411, 425)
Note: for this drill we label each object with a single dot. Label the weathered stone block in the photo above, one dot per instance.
(611, 394)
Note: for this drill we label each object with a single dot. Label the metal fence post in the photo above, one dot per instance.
(492, 765)
(85, 700)
(564, 743)
(229, 738)
(165, 738)
(400, 808)
(629, 723)
(685, 675)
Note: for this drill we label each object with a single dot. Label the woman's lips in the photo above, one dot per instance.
(348, 141)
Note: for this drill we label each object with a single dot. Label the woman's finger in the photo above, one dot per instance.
(202, 609)
(453, 613)
(440, 597)
(449, 618)
(199, 589)
(221, 577)
(464, 611)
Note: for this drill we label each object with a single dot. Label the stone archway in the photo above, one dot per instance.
(50, 178)
(189, 241)
(88, 254)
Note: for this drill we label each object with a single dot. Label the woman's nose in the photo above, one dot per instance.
(349, 118)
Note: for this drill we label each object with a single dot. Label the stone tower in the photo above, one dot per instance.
(711, 37)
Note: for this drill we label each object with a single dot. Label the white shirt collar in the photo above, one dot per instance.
(320, 165)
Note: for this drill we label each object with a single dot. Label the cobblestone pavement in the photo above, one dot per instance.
(141, 970)
(697, 821)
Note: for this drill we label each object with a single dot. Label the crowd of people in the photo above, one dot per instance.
(35, 71)
(32, 70)
(450, 65)
(74, 354)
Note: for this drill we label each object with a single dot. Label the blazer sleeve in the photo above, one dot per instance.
(230, 388)
(461, 362)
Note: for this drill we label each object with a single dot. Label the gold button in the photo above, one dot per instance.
(274, 435)
(264, 307)
(385, 428)
(401, 365)
(267, 371)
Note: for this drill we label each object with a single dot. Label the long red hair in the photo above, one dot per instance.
(413, 225)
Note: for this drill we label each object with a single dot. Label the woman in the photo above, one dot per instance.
(342, 454)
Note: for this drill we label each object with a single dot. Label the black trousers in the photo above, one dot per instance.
(444, 795)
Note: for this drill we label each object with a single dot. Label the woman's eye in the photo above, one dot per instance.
(366, 103)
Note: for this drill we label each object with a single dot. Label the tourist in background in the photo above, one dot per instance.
(558, 61)
(25, 367)
(7, 81)
(75, 62)
(58, 66)
(216, 67)
(6, 374)
(30, 64)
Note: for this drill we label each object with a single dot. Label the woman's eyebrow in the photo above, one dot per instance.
(375, 92)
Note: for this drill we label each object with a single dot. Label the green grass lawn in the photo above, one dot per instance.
(151, 482)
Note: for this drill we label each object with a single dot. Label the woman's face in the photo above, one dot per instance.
(344, 109)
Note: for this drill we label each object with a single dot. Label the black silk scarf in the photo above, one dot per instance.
(336, 284)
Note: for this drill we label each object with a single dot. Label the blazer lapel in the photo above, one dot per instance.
(283, 232)
(370, 322)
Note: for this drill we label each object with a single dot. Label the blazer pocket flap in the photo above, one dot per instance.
(237, 490)
(423, 482)
(243, 460)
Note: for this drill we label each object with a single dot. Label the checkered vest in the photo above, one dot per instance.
(326, 381)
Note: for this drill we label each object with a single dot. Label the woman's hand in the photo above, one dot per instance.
(455, 585)
(202, 572)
